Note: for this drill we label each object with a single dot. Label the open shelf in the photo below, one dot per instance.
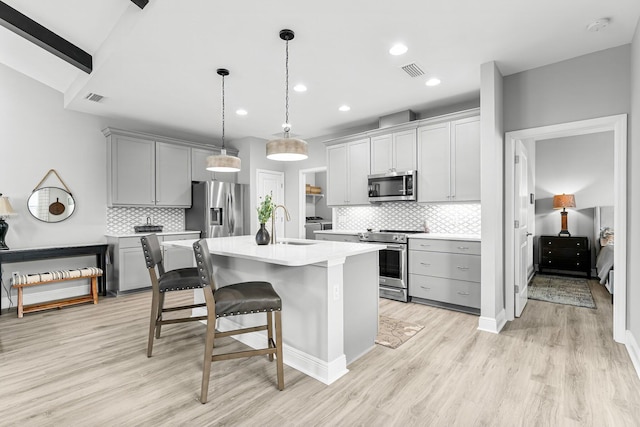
(315, 197)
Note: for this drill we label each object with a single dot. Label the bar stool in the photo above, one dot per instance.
(233, 300)
(166, 281)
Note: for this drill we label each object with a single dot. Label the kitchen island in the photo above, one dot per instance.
(329, 294)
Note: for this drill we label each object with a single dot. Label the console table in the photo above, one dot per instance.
(36, 254)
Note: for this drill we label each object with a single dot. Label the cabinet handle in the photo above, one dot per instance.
(463, 248)
(466, 294)
(462, 268)
(425, 288)
(425, 264)
(424, 246)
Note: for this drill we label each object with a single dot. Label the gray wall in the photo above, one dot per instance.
(633, 226)
(580, 165)
(585, 87)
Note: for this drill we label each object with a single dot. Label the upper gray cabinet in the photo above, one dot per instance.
(146, 172)
(347, 171)
(393, 152)
(449, 161)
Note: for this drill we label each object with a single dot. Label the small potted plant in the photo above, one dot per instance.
(265, 210)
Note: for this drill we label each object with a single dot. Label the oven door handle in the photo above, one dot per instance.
(401, 247)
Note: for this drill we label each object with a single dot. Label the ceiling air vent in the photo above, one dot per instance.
(413, 69)
(94, 97)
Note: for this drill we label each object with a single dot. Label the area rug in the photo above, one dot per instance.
(561, 290)
(393, 333)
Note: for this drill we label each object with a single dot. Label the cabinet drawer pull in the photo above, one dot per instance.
(425, 288)
(424, 246)
(462, 268)
(463, 248)
(426, 264)
(466, 294)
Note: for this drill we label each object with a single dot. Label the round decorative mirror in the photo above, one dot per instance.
(51, 204)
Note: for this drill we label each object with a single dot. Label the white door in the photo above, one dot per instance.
(521, 243)
(272, 182)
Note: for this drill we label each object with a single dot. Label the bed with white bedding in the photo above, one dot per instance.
(604, 244)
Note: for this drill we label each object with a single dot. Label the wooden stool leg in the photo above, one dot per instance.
(94, 289)
(206, 363)
(270, 333)
(152, 321)
(159, 312)
(20, 302)
(279, 351)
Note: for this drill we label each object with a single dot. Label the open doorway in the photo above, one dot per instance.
(313, 202)
(616, 124)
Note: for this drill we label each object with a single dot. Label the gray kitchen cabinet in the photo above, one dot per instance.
(445, 273)
(393, 152)
(173, 175)
(347, 171)
(131, 171)
(199, 170)
(449, 161)
(128, 267)
(149, 170)
(337, 237)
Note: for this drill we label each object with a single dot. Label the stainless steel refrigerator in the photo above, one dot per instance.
(217, 209)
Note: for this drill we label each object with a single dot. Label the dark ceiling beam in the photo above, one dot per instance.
(140, 3)
(46, 39)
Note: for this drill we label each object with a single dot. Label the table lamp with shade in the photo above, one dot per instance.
(562, 201)
(6, 210)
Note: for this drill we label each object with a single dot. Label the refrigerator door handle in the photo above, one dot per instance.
(230, 215)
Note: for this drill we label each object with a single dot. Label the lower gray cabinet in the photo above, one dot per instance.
(128, 267)
(445, 273)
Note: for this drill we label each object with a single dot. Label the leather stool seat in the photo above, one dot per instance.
(179, 280)
(246, 298)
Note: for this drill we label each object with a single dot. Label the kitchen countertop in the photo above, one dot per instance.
(163, 233)
(305, 253)
(446, 236)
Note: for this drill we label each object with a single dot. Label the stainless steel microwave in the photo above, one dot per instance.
(392, 187)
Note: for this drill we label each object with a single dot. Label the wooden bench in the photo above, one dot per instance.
(22, 281)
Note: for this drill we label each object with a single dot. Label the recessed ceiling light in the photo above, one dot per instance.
(398, 49)
(433, 81)
(598, 25)
(300, 88)
(241, 112)
(344, 108)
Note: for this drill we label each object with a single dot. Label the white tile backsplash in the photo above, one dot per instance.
(458, 218)
(122, 220)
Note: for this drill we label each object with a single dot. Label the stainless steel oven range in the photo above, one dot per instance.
(393, 262)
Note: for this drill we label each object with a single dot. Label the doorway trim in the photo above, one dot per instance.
(617, 124)
(302, 200)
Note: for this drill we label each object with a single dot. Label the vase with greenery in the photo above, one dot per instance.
(265, 210)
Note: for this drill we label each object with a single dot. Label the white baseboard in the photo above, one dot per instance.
(634, 351)
(325, 372)
(489, 324)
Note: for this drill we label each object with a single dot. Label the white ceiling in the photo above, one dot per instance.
(158, 65)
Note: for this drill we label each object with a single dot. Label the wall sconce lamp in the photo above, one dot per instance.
(562, 201)
(5, 211)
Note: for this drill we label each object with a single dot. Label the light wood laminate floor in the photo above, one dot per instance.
(86, 366)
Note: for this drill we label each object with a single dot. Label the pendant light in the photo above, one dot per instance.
(287, 148)
(223, 162)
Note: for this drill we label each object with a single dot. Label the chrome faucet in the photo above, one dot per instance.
(273, 221)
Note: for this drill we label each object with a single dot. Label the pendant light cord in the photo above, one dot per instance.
(286, 100)
(223, 112)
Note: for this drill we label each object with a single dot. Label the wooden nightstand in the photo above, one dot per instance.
(565, 253)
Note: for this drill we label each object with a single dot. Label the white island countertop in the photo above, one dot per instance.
(295, 252)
